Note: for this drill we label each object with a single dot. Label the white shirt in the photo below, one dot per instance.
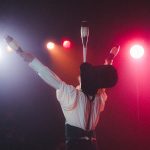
(74, 103)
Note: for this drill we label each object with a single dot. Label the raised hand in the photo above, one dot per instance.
(115, 51)
(15, 46)
(112, 54)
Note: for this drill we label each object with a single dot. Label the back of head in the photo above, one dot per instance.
(95, 77)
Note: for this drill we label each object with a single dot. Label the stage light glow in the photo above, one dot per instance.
(137, 51)
(9, 49)
(0, 55)
(66, 44)
(50, 45)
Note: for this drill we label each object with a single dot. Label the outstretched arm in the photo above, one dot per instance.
(109, 60)
(44, 72)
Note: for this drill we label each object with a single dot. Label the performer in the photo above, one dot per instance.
(81, 111)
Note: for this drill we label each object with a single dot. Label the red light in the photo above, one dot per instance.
(66, 44)
(137, 51)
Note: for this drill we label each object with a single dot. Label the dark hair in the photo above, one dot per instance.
(95, 77)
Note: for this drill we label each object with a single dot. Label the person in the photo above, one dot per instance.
(75, 104)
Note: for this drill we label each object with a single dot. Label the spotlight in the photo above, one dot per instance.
(137, 51)
(66, 44)
(50, 45)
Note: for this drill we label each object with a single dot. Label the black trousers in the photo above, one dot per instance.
(75, 139)
(80, 145)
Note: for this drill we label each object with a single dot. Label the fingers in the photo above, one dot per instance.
(13, 44)
(115, 50)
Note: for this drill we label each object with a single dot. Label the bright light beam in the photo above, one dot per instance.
(137, 51)
(9, 49)
(50, 45)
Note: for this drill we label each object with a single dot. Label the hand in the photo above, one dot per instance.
(115, 50)
(14, 45)
(113, 53)
(28, 57)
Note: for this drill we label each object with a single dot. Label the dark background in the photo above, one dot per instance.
(30, 116)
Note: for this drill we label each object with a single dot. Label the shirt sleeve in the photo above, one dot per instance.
(45, 73)
(67, 96)
(103, 96)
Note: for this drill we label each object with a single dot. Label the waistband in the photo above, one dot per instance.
(72, 132)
